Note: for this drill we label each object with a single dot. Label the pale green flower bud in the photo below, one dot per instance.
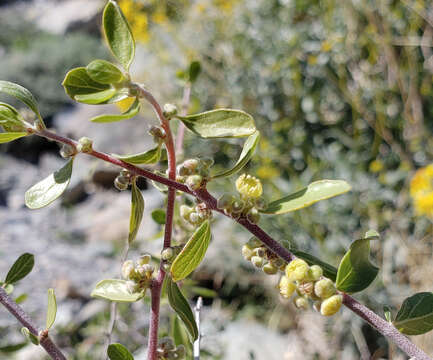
(183, 171)
(253, 216)
(157, 133)
(287, 287)
(225, 201)
(258, 261)
(144, 259)
(121, 183)
(249, 186)
(67, 151)
(237, 206)
(254, 243)
(301, 303)
(169, 111)
(85, 145)
(194, 218)
(185, 211)
(167, 254)
(297, 270)
(260, 251)
(194, 182)
(247, 253)
(191, 164)
(128, 269)
(315, 273)
(270, 269)
(324, 288)
(331, 305)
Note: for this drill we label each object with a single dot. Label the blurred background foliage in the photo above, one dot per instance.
(339, 90)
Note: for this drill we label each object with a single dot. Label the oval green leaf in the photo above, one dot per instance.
(192, 254)
(356, 272)
(115, 290)
(119, 352)
(104, 72)
(158, 215)
(22, 94)
(10, 119)
(77, 83)
(51, 309)
(118, 34)
(49, 189)
(128, 114)
(220, 123)
(415, 316)
(137, 210)
(316, 191)
(11, 136)
(96, 98)
(151, 156)
(180, 305)
(246, 154)
(21, 268)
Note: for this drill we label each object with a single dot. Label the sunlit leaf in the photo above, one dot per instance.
(96, 98)
(104, 72)
(119, 352)
(10, 119)
(128, 114)
(77, 82)
(151, 156)
(115, 290)
(192, 254)
(21, 268)
(118, 34)
(220, 123)
(356, 272)
(20, 299)
(49, 189)
(415, 316)
(51, 309)
(10, 136)
(137, 210)
(182, 308)
(246, 154)
(316, 191)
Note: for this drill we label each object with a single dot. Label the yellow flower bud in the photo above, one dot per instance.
(301, 303)
(270, 269)
(324, 288)
(257, 261)
(315, 272)
(331, 305)
(249, 186)
(297, 270)
(247, 253)
(287, 288)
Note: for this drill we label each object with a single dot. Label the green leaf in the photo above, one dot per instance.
(151, 156)
(10, 136)
(12, 348)
(118, 34)
(178, 332)
(316, 191)
(194, 71)
(51, 309)
(180, 305)
(137, 210)
(21, 268)
(96, 98)
(415, 316)
(220, 123)
(20, 299)
(49, 189)
(158, 215)
(119, 352)
(22, 94)
(192, 254)
(128, 114)
(104, 72)
(328, 270)
(246, 154)
(356, 272)
(115, 290)
(10, 119)
(34, 339)
(77, 83)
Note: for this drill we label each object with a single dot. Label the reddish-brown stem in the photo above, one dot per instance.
(385, 328)
(25, 320)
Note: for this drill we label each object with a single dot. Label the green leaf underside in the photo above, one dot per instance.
(51, 309)
(356, 272)
(158, 215)
(12, 348)
(128, 114)
(220, 123)
(181, 307)
(78, 82)
(10, 119)
(104, 72)
(118, 34)
(21, 268)
(415, 316)
(314, 192)
(192, 254)
(10, 136)
(151, 156)
(96, 98)
(49, 189)
(137, 210)
(119, 352)
(328, 270)
(246, 154)
(115, 290)
(22, 94)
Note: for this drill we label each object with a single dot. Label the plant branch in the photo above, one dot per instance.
(25, 320)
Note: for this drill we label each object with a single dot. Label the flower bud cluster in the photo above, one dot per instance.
(193, 172)
(139, 275)
(261, 257)
(240, 206)
(122, 181)
(85, 145)
(309, 284)
(195, 215)
(167, 350)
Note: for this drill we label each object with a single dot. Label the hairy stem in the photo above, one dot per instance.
(25, 320)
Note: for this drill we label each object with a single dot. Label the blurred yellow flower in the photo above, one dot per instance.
(421, 190)
(376, 166)
(125, 104)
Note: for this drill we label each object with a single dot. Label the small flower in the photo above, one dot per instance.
(324, 288)
(287, 287)
(128, 269)
(249, 186)
(297, 270)
(194, 182)
(331, 305)
(315, 272)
